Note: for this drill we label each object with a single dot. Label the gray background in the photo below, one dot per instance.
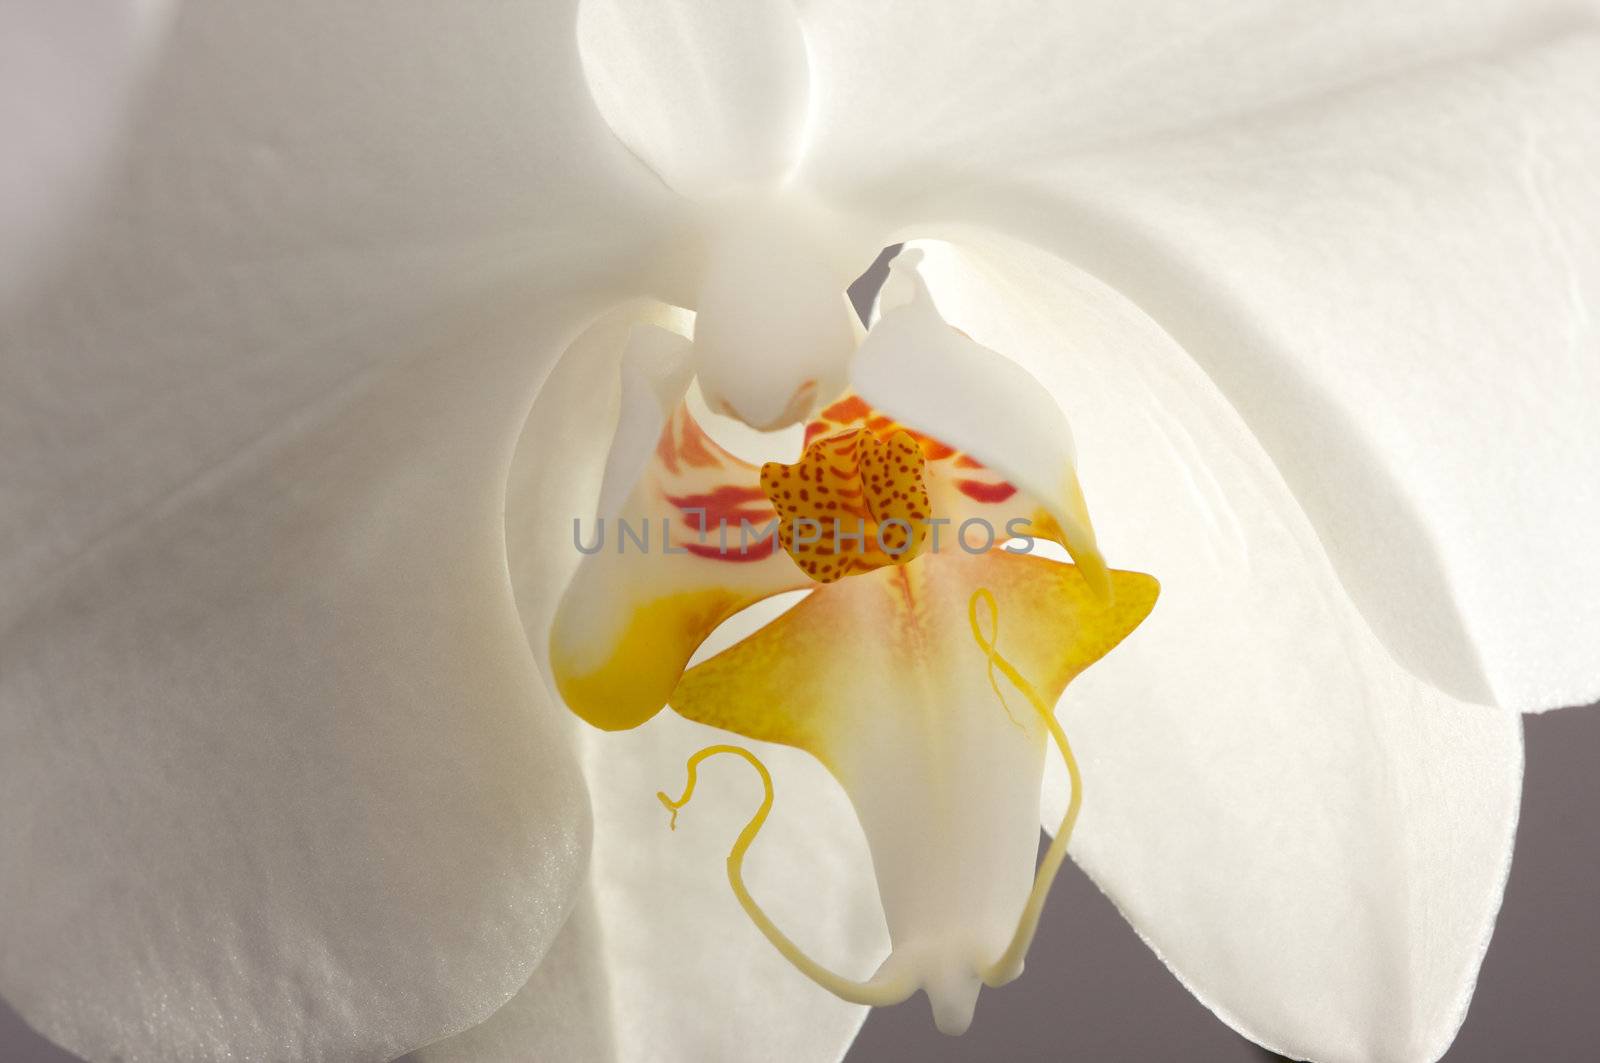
(1093, 993)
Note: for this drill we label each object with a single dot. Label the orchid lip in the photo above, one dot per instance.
(894, 672)
(948, 962)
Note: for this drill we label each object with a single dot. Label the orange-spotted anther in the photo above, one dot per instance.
(852, 503)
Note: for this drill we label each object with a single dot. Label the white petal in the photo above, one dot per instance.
(269, 218)
(563, 1013)
(67, 76)
(712, 95)
(1397, 290)
(1394, 281)
(278, 774)
(1314, 841)
(915, 97)
(690, 977)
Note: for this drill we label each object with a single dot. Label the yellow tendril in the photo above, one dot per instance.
(994, 684)
(1009, 965)
(878, 992)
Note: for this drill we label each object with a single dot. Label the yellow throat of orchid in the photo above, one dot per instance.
(894, 672)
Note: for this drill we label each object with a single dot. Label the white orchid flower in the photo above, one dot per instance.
(295, 642)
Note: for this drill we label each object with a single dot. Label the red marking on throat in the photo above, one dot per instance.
(725, 504)
(988, 494)
(759, 550)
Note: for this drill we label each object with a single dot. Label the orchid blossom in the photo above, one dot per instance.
(321, 737)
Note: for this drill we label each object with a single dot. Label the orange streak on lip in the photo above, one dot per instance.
(693, 448)
(667, 446)
(853, 408)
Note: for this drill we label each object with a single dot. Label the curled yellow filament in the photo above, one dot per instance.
(1009, 965)
(879, 991)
